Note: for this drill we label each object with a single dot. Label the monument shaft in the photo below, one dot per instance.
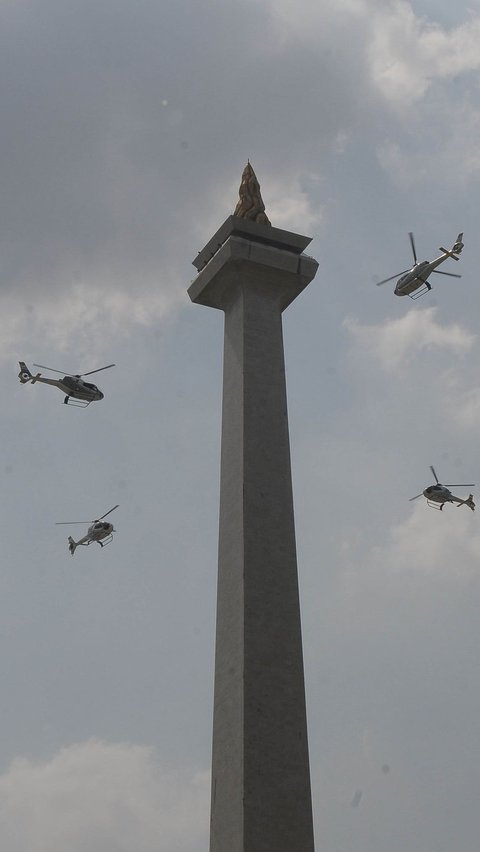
(261, 798)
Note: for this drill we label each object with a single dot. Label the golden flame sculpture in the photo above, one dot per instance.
(250, 204)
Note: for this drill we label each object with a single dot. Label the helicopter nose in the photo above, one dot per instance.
(100, 394)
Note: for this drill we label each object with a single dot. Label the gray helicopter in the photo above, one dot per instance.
(437, 495)
(100, 531)
(415, 278)
(79, 393)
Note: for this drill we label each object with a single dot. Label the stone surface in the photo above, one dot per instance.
(235, 226)
(261, 798)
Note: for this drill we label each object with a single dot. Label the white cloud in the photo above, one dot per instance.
(432, 543)
(421, 562)
(407, 53)
(456, 157)
(312, 20)
(397, 343)
(393, 55)
(83, 316)
(289, 205)
(461, 401)
(102, 797)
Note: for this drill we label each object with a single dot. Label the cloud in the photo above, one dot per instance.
(455, 156)
(431, 543)
(405, 53)
(102, 797)
(289, 204)
(83, 316)
(408, 53)
(114, 167)
(396, 344)
(315, 21)
(395, 660)
(393, 59)
(461, 398)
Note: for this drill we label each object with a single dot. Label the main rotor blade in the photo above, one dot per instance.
(412, 243)
(415, 498)
(97, 371)
(107, 513)
(391, 277)
(460, 484)
(435, 475)
(62, 372)
(61, 523)
(450, 274)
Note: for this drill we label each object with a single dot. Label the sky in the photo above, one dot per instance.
(125, 129)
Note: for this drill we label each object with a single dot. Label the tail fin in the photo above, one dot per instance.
(25, 374)
(458, 246)
(71, 544)
(456, 249)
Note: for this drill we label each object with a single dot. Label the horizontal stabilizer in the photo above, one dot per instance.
(450, 253)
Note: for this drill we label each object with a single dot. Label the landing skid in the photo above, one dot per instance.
(419, 293)
(437, 506)
(77, 403)
(90, 541)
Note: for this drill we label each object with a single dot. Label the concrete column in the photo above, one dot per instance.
(261, 798)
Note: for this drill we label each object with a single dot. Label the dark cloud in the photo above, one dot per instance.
(118, 120)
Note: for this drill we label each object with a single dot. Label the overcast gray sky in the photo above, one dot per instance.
(125, 128)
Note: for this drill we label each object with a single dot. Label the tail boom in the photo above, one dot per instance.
(468, 502)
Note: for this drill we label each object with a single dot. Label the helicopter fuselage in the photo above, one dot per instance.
(96, 532)
(74, 386)
(417, 276)
(439, 494)
(70, 385)
(99, 530)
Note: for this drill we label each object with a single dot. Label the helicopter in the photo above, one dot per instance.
(415, 278)
(440, 494)
(79, 393)
(100, 532)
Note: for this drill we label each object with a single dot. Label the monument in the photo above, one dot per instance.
(261, 797)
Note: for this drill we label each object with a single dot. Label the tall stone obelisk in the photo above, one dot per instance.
(261, 798)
